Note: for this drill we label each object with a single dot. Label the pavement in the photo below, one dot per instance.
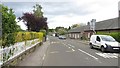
(36, 57)
(69, 52)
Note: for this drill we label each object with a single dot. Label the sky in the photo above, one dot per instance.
(67, 12)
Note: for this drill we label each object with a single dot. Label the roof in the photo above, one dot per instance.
(78, 29)
(107, 24)
(101, 25)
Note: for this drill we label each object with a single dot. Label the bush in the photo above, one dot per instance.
(44, 32)
(24, 36)
(12, 38)
(115, 35)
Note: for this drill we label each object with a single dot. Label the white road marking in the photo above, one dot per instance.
(54, 52)
(108, 55)
(71, 45)
(43, 56)
(73, 50)
(88, 54)
(65, 45)
(54, 42)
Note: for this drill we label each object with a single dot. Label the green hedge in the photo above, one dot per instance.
(23, 36)
(20, 36)
(115, 35)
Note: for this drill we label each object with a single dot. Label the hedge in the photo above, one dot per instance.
(23, 36)
(115, 35)
(12, 38)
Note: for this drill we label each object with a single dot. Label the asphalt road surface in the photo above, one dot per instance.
(72, 52)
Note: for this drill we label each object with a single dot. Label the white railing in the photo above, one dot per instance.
(16, 49)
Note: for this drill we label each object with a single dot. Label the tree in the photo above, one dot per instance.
(35, 21)
(51, 30)
(57, 28)
(61, 30)
(69, 28)
(9, 26)
(18, 28)
(38, 10)
(75, 25)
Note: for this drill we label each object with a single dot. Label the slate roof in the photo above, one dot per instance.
(101, 25)
(78, 29)
(107, 24)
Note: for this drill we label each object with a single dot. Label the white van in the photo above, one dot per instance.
(104, 42)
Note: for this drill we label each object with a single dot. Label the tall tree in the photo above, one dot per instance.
(9, 26)
(35, 21)
(38, 10)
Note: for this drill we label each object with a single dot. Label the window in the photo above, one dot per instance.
(98, 38)
(108, 38)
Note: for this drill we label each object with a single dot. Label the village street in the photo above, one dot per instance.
(69, 52)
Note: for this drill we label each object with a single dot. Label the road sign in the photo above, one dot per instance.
(92, 24)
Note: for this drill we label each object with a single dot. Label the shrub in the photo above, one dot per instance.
(12, 38)
(44, 32)
(115, 35)
(24, 36)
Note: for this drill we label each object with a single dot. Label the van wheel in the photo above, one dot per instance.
(103, 49)
(91, 46)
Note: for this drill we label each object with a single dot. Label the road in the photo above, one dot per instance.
(71, 52)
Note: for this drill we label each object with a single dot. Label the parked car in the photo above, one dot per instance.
(62, 37)
(104, 43)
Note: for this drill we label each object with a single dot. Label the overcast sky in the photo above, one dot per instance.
(67, 12)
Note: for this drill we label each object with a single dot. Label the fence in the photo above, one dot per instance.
(15, 50)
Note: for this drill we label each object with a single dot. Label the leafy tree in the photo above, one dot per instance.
(57, 28)
(75, 25)
(18, 28)
(51, 30)
(61, 30)
(69, 28)
(35, 21)
(9, 26)
(38, 10)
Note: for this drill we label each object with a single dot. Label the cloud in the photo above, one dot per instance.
(22, 25)
(68, 12)
(20, 7)
(97, 9)
(35, 0)
(63, 8)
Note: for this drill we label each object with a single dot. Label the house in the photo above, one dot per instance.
(107, 26)
(77, 33)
